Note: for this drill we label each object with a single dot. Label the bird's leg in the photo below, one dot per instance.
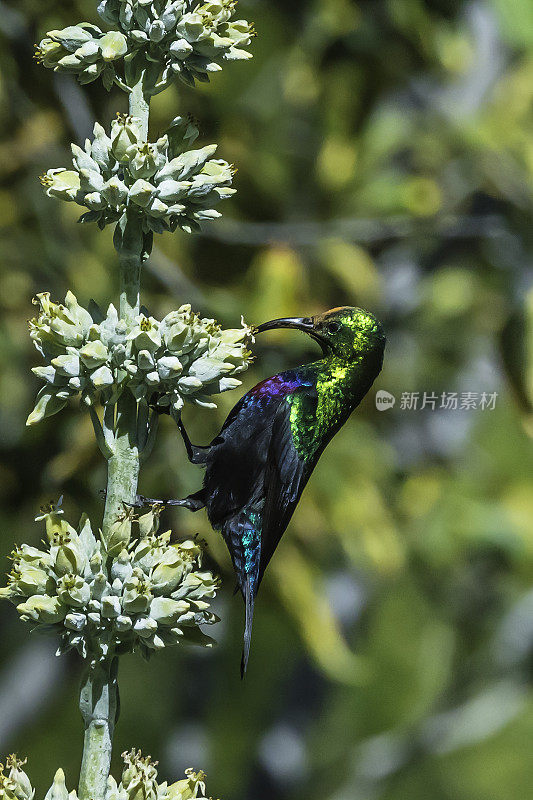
(194, 502)
(195, 453)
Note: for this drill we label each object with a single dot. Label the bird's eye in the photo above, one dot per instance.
(333, 327)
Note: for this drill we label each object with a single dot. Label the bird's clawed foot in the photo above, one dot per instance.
(142, 502)
(193, 503)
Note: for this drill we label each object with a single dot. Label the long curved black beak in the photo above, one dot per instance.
(305, 324)
(300, 323)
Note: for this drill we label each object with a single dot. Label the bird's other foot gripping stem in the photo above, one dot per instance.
(194, 502)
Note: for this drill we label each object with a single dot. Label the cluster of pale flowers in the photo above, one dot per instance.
(113, 597)
(182, 357)
(162, 184)
(139, 780)
(163, 39)
(189, 38)
(84, 50)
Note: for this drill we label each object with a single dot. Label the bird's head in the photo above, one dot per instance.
(345, 332)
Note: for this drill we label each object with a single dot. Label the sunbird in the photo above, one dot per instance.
(258, 465)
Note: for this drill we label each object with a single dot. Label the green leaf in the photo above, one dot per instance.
(48, 403)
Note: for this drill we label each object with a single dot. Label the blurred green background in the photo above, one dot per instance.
(385, 156)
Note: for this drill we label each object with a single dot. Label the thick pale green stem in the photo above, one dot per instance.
(123, 465)
(130, 254)
(99, 693)
(99, 708)
(130, 273)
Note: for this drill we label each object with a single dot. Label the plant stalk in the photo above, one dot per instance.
(99, 703)
(130, 256)
(99, 692)
(123, 465)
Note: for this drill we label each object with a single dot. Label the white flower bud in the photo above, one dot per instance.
(99, 587)
(125, 131)
(70, 63)
(236, 54)
(157, 208)
(94, 201)
(203, 402)
(137, 596)
(102, 377)
(88, 52)
(187, 163)
(180, 49)
(71, 37)
(188, 385)
(169, 367)
(91, 181)
(145, 626)
(81, 159)
(121, 567)
(58, 789)
(75, 621)
(29, 578)
(42, 608)
(157, 31)
(166, 611)
(228, 383)
(152, 378)
(15, 785)
(47, 374)
(139, 37)
(68, 364)
(192, 786)
(113, 45)
(176, 403)
(141, 192)
(111, 606)
(73, 591)
(90, 73)
(94, 601)
(115, 192)
(146, 159)
(207, 214)
(94, 354)
(145, 335)
(170, 190)
(207, 369)
(61, 183)
(145, 360)
(101, 146)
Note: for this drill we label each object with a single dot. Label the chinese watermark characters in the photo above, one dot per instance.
(431, 401)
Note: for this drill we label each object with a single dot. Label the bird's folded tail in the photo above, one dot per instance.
(249, 600)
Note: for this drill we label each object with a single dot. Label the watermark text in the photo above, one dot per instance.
(433, 401)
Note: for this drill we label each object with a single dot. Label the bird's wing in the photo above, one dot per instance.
(289, 465)
(236, 461)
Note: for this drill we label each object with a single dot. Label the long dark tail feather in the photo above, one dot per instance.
(249, 611)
